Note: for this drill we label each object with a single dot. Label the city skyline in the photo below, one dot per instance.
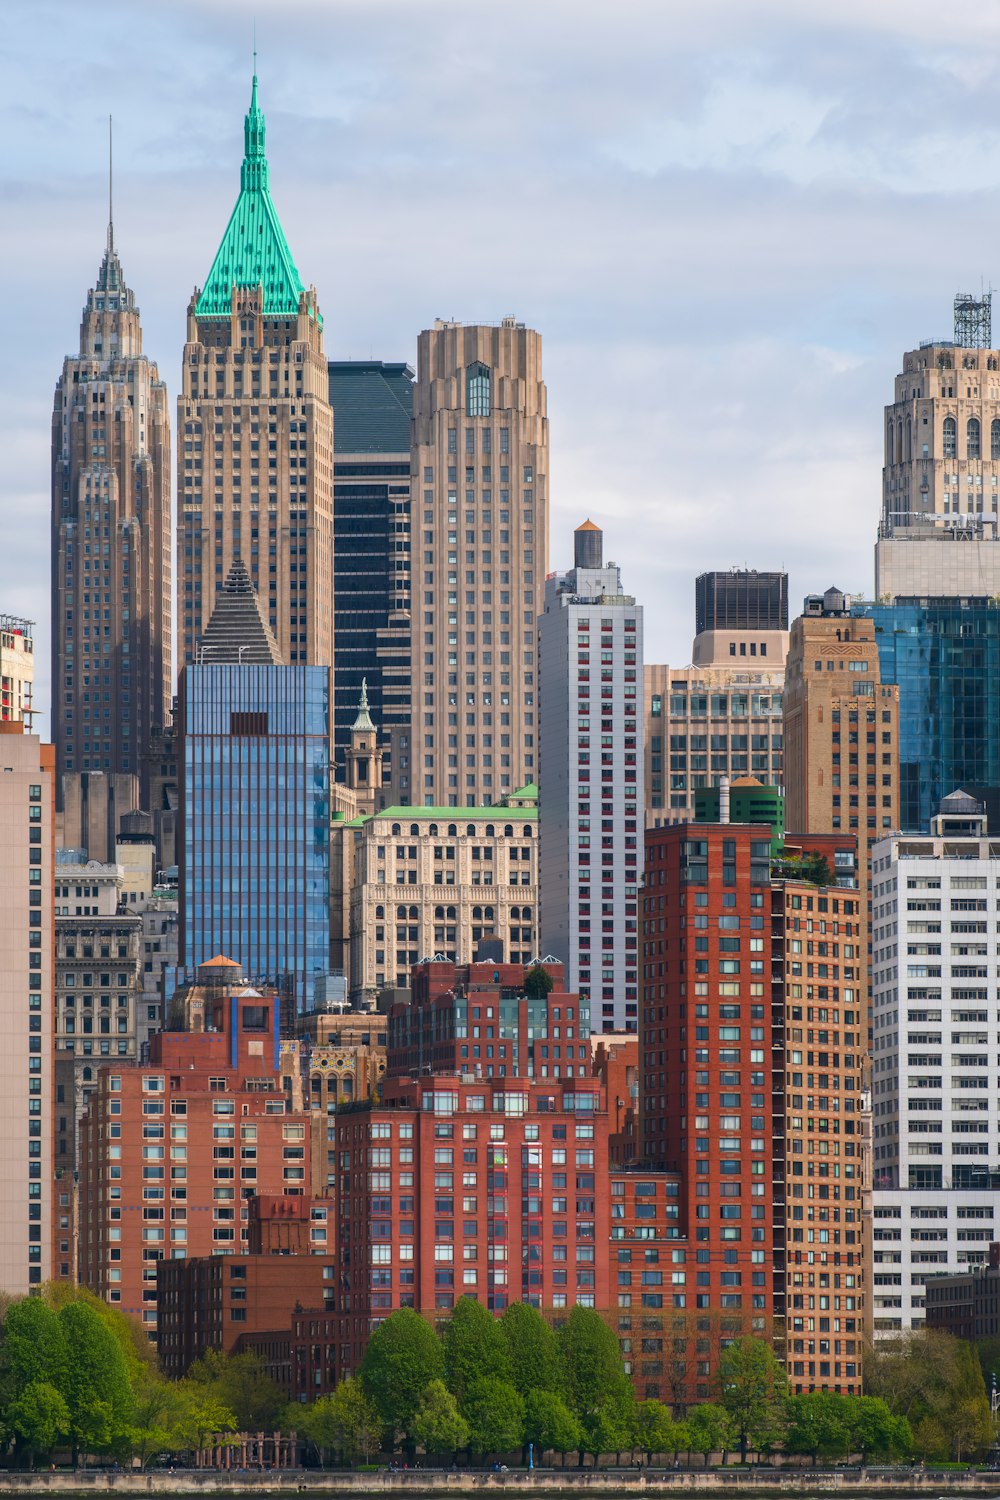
(811, 294)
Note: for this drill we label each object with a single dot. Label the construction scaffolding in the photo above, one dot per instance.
(974, 320)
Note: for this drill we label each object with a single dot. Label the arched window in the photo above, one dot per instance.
(528, 832)
(908, 449)
(414, 830)
(451, 914)
(950, 437)
(490, 831)
(395, 829)
(452, 831)
(488, 913)
(400, 913)
(380, 913)
(973, 445)
(347, 1086)
(899, 443)
(413, 913)
(477, 391)
(317, 1083)
(439, 913)
(477, 913)
(471, 830)
(890, 445)
(432, 829)
(508, 830)
(995, 438)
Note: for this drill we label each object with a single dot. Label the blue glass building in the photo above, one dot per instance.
(944, 655)
(254, 767)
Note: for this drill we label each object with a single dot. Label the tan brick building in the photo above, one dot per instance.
(479, 515)
(255, 430)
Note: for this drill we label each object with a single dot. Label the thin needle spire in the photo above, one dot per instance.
(111, 217)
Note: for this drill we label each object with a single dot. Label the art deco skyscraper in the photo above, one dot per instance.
(255, 430)
(111, 539)
(479, 516)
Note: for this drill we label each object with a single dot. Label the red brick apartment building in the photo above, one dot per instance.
(172, 1151)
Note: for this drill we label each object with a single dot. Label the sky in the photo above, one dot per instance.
(727, 218)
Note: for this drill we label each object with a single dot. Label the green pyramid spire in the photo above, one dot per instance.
(254, 251)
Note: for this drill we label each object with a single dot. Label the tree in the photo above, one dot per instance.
(33, 1350)
(532, 1350)
(37, 1419)
(158, 1417)
(346, 1421)
(403, 1356)
(438, 1425)
(474, 1347)
(611, 1426)
(709, 1430)
(202, 1415)
(819, 1423)
(936, 1382)
(495, 1414)
(97, 1389)
(127, 1331)
(538, 982)
(239, 1383)
(549, 1423)
(876, 1433)
(657, 1430)
(752, 1385)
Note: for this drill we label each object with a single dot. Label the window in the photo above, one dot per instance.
(950, 447)
(477, 397)
(973, 444)
(995, 438)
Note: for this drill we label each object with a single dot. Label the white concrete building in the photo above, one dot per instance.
(936, 1061)
(592, 781)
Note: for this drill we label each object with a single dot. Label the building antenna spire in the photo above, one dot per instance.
(111, 217)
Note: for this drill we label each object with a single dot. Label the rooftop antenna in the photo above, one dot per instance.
(111, 222)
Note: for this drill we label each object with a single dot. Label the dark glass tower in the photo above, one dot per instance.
(741, 599)
(944, 655)
(373, 406)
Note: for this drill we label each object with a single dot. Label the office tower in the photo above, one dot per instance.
(112, 585)
(938, 530)
(212, 1077)
(480, 518)
(721, 716)
(17, 668)
(944, 656)
(437, 881)
(341, 1056)
(738, 614)
(98, 974)
(841, 727)
(27, 830)
(255, 788)
(373, 407)
(936, 1116)
(590, 670)
(255, 431)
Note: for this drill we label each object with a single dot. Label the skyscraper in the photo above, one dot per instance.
(111, 539)
(480, 509)
(255, 789)
(938, 533)
(590, 824)
(30, 1224)
(373, 406)
(255, 431)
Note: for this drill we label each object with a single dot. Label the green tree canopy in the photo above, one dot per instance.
(876, 1433)
(495, 1414)
(438, 1425)
(239, 1383)
(538, 982)
(403, 1356)
(820, 1424)
(346, 1421)
(657, 1430)
(709, 1430)
(532, 1350)
(549, 1423)
(591, 1362)
(936, 1382)
(97, 1390)
(753, 1386)
(33, 1351)
(37, 1418)
(474, 1347)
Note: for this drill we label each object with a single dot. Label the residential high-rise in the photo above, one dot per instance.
(944, 656)
(255, 430)
(936, 1116)
(112, 543)
(255, 788)
(373, 408)
(32, 1218)
(938, 533)
(17, 668)
(720, 717)
(480, 516)
(590, 829)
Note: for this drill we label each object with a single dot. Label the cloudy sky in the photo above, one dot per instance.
(728, 218)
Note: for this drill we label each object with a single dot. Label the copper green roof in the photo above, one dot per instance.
(254, 251)
(495, 815)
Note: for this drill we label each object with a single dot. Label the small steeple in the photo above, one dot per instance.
(364, 719)
(254, 173)
(110, 277)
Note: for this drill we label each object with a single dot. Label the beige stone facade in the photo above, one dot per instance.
(17, 668)
(941, 480)
(479, 515)
(255, 472)
(706, 722)
(31, 1221)
(438, 880)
